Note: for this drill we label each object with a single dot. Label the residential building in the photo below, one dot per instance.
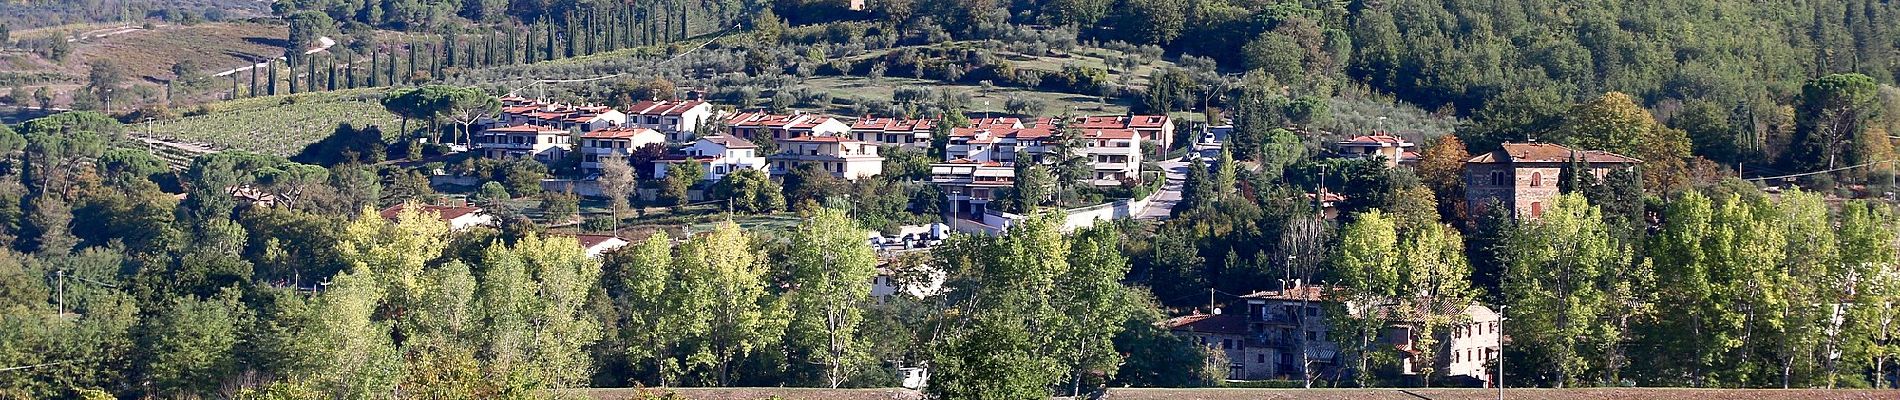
(1523, 176)
(677, 119)
(1469, 343)
(717, 155)
(598, 245)
(1115, 155)
(760, 126)
(584, 118)
(1157, 129)
(998, 142)
(969, 185)
(1393, 149)
(1284, 334)
(843, 157)
(615, 142)
(459, 217)
(912, 133)
(537, 142)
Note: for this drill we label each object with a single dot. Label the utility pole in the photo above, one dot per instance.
(1500, 378)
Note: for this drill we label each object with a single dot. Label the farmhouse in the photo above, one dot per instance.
(1523, 176)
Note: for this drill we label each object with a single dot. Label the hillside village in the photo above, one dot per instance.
(956, 199)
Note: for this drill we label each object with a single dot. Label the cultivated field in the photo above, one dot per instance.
(1287, 394)
(150, 53)
(280, 125)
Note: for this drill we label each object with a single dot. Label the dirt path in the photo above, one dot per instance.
(323, 43)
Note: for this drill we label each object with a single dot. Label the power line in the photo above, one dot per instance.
(1763, 178)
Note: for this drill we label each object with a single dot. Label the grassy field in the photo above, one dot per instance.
(281, 125)
(1287, 394)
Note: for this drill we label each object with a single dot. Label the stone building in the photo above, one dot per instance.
(1524, 176)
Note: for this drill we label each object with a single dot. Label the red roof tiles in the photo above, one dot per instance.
(1548, 153)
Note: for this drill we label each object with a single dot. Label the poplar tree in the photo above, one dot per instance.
(829, 265)
(1556, 285)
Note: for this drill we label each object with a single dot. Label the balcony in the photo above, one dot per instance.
(1277, 318)
(1275, 342)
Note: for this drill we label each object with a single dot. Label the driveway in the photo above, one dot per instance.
(1162, 207)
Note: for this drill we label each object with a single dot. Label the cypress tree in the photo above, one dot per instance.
(375, 67)
(254, 67)
(330, 78)
(411, 47)
(272, 87)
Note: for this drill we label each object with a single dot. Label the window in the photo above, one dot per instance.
(1311, 335)
(1454, 357)
(1260, 359)
(1312, 311)
(1537, 179)
(1226, 344)
(1537, 209)
(1500, 178)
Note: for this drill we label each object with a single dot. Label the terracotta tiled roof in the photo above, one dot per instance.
(1147, 121)
(1208, 323)
(753, 120)
(445, 212)
(1548, 153)
(663, 107)
(526, 128)
(730, 142)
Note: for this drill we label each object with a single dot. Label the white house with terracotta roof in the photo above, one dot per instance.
(597, 245)
(1157, 129)
(1394, 149)
(843, 157)
(537, 142)
(518, 111)
(459, 218)
(998, 142)
(912, 133)
(677, 119)
(618, 141)
(717, 155)
(761, 126)
(1115, 155)
(1524, 176)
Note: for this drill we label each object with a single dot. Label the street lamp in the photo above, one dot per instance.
(1500, 331)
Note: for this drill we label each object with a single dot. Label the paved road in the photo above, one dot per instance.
(1162, 207)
